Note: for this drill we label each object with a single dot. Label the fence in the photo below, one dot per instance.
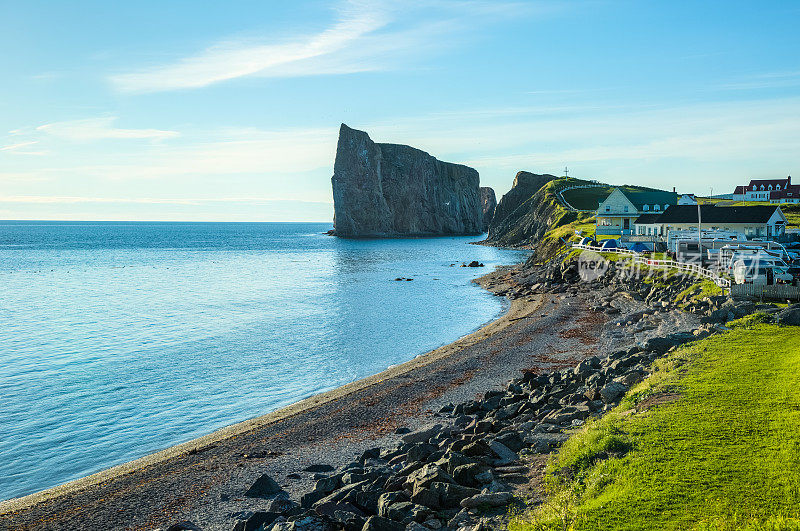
(778, 291)
(692, 269)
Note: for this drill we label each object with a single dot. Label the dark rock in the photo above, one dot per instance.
(789, 316)
(379, 523)
(263, 487)
(488, 204)
(517, 218)
(184, 526)
(497, 499)
(612, 392)
(256, 521)
(387, 499)
(384, 190)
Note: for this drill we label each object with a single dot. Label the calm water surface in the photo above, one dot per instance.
(120, 339)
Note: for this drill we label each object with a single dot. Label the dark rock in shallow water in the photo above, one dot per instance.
(263, 487)
(386, 190)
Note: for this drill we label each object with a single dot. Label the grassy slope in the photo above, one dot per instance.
(725, 455)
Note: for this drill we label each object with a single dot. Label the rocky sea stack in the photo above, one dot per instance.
(391, 190)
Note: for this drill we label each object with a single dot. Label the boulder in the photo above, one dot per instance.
(255, 521)
(264, 487)
(789, 316)
(613, 391)
(379, 523)
(497, 499)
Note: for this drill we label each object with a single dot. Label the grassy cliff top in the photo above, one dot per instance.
(709, 441)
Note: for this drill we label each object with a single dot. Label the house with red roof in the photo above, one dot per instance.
(768, 190)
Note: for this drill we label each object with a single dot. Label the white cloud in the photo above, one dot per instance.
(100, 129)
(368, 35)
(230, 60)
(18, 148)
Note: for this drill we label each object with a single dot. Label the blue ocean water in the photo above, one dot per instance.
(120, 339)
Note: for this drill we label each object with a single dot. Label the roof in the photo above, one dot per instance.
(739, 190)
(767, 182)
(790, 191)
(640, 198)
(713, 214)
(647, 219)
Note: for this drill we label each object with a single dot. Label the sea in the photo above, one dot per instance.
(118, 339)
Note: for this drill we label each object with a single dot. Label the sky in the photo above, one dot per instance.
(229, 111)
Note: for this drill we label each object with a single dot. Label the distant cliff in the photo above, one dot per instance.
(389, 190)
(525, 213)
(488, 205)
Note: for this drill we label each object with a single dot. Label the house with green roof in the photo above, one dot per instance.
(616, 214)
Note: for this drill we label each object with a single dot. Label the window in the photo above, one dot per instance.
(666, 207)
(625, 209)
(762, 186)
(754, 187)
(777, 187)
(769, 187)
(608, 209)
(655, 208)
(645, 208)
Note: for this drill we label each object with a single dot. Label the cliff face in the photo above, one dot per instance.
(525, 213)
(488, 204)
(388, 190)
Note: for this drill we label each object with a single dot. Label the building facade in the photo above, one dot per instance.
(768, 190)
(618, 212)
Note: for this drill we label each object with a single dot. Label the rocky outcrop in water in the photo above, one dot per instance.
(488, 205)
(390, 190)
(521, 215)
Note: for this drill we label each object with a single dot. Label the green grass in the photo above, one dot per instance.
(698, 291)
(725, 455)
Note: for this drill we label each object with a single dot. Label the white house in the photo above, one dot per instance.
(618, 212)
(768, 190)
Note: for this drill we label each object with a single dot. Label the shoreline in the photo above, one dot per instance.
(514, 310)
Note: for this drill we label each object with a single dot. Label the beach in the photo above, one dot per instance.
(203, 480)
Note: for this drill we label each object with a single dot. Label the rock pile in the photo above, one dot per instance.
(446, 475)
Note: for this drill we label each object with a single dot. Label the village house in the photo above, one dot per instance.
(756, 221)
(618, 212)
(768, 190)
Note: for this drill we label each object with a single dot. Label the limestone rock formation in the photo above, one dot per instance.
(391, 190)
(519, 217)
(488, 204)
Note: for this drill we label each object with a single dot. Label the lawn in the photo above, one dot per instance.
(722, 452)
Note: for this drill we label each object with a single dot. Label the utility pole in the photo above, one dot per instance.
(699, 235)
(566, 172)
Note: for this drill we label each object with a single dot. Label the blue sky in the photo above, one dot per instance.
(229, 111)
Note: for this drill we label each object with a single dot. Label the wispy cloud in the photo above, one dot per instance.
(20, 148)
(365, 36)
(100, 129)
(229, 60)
